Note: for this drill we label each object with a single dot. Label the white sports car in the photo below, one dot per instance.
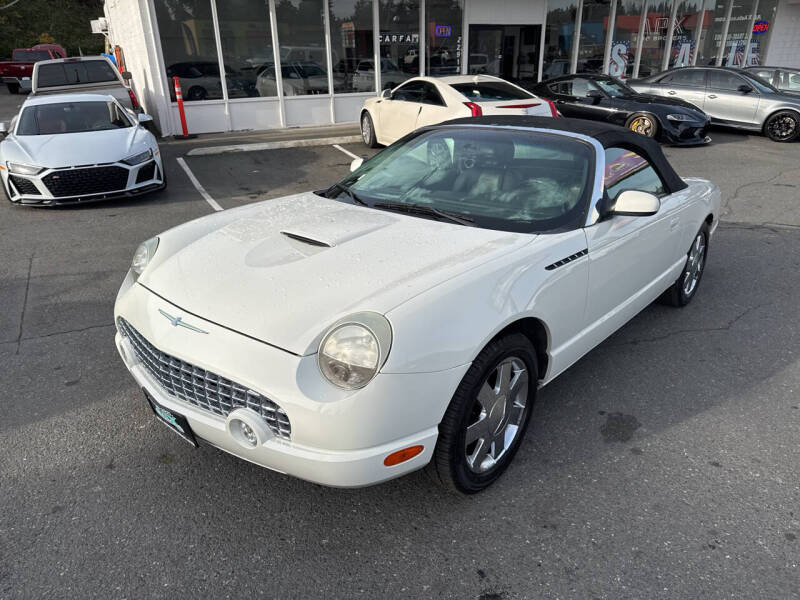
(72, 148)
(423, 101)
(407, 315)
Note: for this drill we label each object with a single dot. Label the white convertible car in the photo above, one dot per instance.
(74, 148)
(423, 101)
(407, 315)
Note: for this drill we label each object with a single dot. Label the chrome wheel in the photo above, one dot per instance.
(497, 414)
(643, 126)
(366, 129)
(694, 264)
(782, 127)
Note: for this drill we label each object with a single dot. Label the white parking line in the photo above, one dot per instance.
(197, 185)
(350, 154)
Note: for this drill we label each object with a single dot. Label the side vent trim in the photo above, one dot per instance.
(306, 240)
(566, 260)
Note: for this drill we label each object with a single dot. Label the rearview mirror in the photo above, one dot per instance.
(386, 94)
(126, 75)
(634, 203)
(144, 118)
(356, 164)
(745, 89)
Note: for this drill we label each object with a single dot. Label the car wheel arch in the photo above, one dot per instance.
(536, 331)
(775, 111)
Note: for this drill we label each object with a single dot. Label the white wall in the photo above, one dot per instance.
(130, 28)
(784, 45)
(505, 12)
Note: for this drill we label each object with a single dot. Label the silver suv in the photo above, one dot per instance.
(732, 97)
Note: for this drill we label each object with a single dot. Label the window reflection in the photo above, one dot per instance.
(246, 38)
(302, 49)
(444, 37)
(189, 47)
(656, 30)
(594, 25)
(626, 35)
(559, 30)
(399, 39)
(352, 46)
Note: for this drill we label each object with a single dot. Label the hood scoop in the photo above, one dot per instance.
(307, 239)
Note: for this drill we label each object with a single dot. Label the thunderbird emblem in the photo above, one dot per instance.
(179, 322)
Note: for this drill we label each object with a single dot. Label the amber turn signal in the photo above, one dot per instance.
(395, 458)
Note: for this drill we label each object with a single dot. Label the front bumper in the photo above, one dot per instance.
(39, 190)
(686, 133)
(338, 438)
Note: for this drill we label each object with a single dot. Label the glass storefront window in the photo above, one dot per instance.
(594, 26)
(711, 36)
(690, 18)
(507, 51)
(444, 37)
(352, 47)
(656, 30)
(559, 29)
(246, 38)
(399, 37)
(741, 17)
(189, 47)
(626, 36)
(304, 61)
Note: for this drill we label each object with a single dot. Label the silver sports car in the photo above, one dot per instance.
(732, 97)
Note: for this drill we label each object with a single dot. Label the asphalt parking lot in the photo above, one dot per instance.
(665, 464)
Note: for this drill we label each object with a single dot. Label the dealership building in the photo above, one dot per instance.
(265, 64)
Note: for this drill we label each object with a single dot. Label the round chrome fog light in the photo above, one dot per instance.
(247, 428)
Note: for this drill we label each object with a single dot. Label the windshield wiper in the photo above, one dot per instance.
(422, 209)
(351, 194)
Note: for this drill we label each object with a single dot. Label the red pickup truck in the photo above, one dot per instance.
(17, 71)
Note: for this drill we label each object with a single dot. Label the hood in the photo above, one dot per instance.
(284, 270)
(87, 148)
(663, 100)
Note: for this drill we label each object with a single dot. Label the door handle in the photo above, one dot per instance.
(672, 93)
(712, 96)
(674, 222)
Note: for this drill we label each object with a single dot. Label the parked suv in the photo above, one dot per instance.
(729, 96)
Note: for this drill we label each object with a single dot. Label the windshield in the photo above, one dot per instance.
(510, 180)
(69, 73)
(30, 55)
(613, 87)
(490, 91)
(71, 117)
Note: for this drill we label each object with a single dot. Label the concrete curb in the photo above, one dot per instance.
(257, 146)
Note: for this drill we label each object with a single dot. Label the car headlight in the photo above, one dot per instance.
(23, 169)
(143, 255)
(139, 158)
(681, 118)
(354, 350)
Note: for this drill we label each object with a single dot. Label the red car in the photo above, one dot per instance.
(17, 71)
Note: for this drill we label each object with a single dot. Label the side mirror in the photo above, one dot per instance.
(3, 129)
(144, 118)
(745, 89)
(386, 94)
(595, 94)
(126, 75)
(634, 203)
(356, 164)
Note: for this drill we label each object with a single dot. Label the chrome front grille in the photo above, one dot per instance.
(202, 388)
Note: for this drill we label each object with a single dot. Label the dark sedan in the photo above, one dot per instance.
(604, 98)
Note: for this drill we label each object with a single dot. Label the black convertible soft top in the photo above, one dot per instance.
(609, 136)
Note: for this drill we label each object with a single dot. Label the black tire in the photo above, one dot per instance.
(644, 124)
(449, 465)
(679, 294)
(196, 93)
(368, 130)
(13, 88)
(783, 126)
